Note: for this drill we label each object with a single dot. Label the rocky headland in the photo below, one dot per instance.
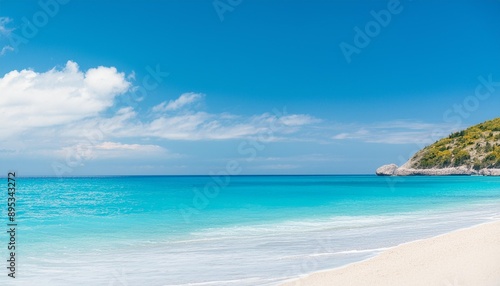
(473, 151)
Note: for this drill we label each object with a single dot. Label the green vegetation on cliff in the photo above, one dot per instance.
(476, 147)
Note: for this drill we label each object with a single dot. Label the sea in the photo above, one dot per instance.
(225, 230)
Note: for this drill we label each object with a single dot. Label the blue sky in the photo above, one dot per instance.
(188, 87)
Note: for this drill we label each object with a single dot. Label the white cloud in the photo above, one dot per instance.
(193, 124)
(204, 126)
(298, 120)
(119, 150)
(5, 32)
(69, 103)
(66, 112)
(397, 132)
(184, 100)
(85, 151)
(341, 136)
(29, 99)
(133, 147)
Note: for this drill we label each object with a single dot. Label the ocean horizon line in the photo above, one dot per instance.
(189, 175)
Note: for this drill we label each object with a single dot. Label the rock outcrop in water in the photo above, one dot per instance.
(474, 151)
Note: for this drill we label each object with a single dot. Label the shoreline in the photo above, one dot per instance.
(467, 256)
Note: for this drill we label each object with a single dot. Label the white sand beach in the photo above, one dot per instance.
(464, 257)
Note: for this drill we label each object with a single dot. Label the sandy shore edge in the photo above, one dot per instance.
(469, 256)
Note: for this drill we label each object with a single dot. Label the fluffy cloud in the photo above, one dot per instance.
(66, 112)
(70, 102)
(29, 99)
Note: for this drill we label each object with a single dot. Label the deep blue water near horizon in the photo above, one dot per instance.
(240, 230)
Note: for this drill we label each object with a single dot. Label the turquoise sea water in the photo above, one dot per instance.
(243, 230)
